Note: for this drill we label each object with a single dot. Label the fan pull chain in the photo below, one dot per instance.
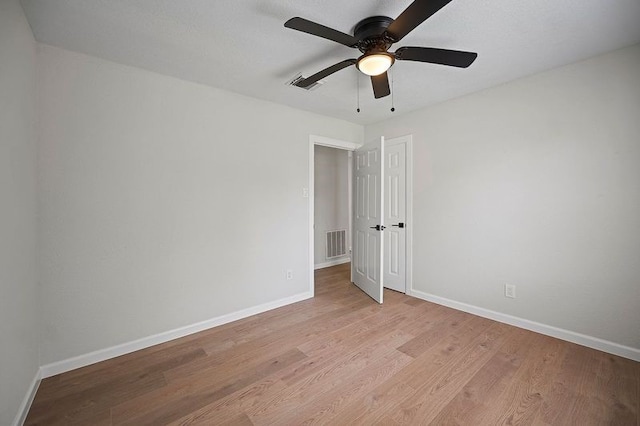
(358, 89)
(393, 108)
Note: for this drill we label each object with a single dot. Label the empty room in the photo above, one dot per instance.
(268, 212)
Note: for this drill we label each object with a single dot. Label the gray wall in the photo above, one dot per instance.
(164, 202)
(331, 194)
(534, 183)
(18, 275)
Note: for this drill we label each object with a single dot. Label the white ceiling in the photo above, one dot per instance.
(242, 45)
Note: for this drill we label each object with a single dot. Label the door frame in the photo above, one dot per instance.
(331, 143)
(352, 146)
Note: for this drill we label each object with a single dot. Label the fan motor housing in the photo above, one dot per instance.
(371, 33)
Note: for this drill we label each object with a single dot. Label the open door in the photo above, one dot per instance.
(368, 178)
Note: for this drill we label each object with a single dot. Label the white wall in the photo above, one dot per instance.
(18, 276)
(331, 191)
(164, 202)
(534, 183)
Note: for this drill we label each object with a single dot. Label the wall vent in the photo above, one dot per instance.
(336, 243)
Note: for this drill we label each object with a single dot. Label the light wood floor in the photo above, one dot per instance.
(342, 359)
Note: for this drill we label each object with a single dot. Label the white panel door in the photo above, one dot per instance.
(368, 178)
(395, 207)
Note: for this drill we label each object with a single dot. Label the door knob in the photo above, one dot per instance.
(399, 225)
(377, 227)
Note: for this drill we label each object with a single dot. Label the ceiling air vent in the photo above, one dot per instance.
(298, 77)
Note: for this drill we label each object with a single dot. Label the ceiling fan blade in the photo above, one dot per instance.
(454, 58)
(315, 29)
(414, 15)
(380, 85)
(325, 72)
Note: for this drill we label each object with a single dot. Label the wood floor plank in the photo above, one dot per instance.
(358, 330)
(240, 420)
(457, 337)
(440, 323)
(323, 407)
(84, 380)
(468, 406)
(312, 390)
(332, 376)
(521, 399)
(248, 333)
(617, 389)
(565, 400)
(376, 404)
(320, 362)
(447, 380)
(157, 411)
(79, 407)
(242, 356)
(341, 358)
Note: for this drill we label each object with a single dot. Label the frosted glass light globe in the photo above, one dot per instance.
(375, 64)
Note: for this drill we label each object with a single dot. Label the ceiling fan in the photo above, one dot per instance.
(374, 36)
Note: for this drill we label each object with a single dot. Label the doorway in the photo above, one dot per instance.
(332, 206)
(397, 253)
(329, 143)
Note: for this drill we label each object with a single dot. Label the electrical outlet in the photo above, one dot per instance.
(510, 291)
(289, 274)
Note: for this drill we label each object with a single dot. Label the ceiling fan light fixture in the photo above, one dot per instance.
(373, 36)
(375, 63)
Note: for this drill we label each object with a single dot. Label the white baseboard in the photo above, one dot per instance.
(570, 336)
(28, 400)
(145, 342)
(332, 263)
